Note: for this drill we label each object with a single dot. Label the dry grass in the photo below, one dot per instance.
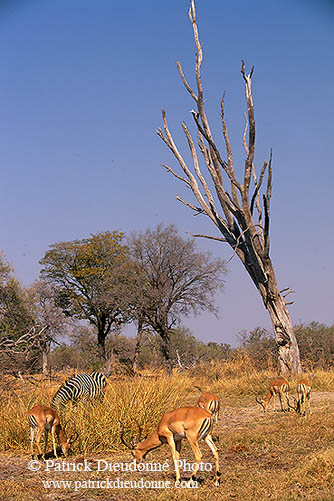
(278, 456)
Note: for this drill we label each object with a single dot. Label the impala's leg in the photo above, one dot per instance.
(46, 433)
(38, 440)
(273, 396)
(286, 395)
(212, 446)
(32, 433)
(303, 404)
(178, 448)
(308, 402)
(281, 400)
(175, 455)
(192, 439)
(53, 432)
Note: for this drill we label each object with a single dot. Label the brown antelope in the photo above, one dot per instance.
(279, 387)
(209, 402)
(192, 423)
(304, 393)
(44, 419)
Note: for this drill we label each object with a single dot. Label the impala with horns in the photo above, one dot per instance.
(278, 388)
(44, 419)
(192, 423)
(209, 402)
(304, 394)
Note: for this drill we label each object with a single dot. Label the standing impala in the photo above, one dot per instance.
(209, 402)
(279, 387)
(304, 393)
(44, 419)
(193, 423)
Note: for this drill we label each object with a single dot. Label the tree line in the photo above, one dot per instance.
(315, 340)
(89, 289)
(152, 279)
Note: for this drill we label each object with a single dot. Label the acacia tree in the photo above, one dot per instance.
(175, 280)
(91, 277)
(235, 207)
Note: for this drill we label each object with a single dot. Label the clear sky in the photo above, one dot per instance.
(82, 84)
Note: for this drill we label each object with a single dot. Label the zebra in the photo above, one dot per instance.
(80, 386)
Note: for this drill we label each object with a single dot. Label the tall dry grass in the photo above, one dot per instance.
(142, 400)
(98, 424)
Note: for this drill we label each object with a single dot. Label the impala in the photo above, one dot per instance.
(278, 388)
(192, 423)
(304, 393)
(44, 419)
(209, 402)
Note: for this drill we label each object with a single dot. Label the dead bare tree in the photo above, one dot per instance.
(238, 212)
(27, 349)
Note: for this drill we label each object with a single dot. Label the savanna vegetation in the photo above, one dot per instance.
(72, 320)
(272, 455)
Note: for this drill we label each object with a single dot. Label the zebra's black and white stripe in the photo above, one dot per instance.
(81, 386)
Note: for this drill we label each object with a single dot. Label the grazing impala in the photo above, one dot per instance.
(209, 402)
(44, 419)
(192, 423)
(279, 387)
(304, 393)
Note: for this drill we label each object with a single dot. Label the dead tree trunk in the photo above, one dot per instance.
(239, 213)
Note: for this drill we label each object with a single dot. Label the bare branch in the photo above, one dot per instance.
(188, 204)
(206, 236)
(190, 176)
(217, 154)
(234, 184)
(266, 226)
(169, 169)
(185, 83)
(289, 292)
(269, 181)
(251, 134)
(196, 165)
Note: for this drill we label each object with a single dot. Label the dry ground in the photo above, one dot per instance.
(278, 456)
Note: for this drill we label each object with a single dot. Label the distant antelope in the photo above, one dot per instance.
(304, 393)
(193, 423)
(44, 419)
(279, 387)
(209, 402)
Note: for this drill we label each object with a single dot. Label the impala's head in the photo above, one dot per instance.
(261, 402)
(139, 454)
(66, 442)
(65, 447)
(294, 404)
(136, 451)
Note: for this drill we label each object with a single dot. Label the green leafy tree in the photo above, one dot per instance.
(92, 277)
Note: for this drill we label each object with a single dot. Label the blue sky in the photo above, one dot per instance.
(82, 84)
